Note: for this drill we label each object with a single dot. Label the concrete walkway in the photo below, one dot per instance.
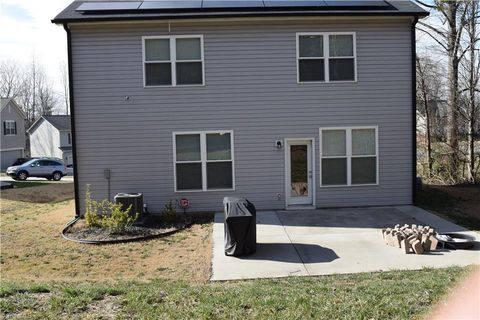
(330, 241)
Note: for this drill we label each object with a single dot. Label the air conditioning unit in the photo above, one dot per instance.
(133, 199)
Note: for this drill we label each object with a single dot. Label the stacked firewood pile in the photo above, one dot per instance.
(411, 238)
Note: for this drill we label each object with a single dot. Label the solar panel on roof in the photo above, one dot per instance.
(171, 4)
(108, 6)
(356, 3)
(92, 7)
(232, 3)
(293, 3)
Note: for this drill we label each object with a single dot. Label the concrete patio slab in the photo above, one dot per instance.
(275, 257)
(332, 241)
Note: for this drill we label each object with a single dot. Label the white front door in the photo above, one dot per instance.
(299, 172)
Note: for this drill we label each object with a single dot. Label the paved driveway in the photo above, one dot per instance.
(329, 241)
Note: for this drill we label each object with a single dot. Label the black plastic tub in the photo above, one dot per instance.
(456, 241)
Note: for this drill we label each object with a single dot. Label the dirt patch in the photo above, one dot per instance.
(32, 249)
(107, 308)
(459, 203)
(52, 192)
(466, 198)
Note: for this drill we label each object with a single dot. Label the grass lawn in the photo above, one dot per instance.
(459, 204)
(44, 276)
(33, 249)
(389, 295)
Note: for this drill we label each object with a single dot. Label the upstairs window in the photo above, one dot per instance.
(173, 60)
(326, 57)
(9, 127)
(203, 161)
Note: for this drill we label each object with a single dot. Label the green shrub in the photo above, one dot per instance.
(91, 216)
(169, 212)
(107, 215)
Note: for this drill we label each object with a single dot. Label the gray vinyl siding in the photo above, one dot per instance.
(251, 88)
(16, 142)
(7, 158)
(10, 112)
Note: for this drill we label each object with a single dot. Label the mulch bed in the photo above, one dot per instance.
(151, 228)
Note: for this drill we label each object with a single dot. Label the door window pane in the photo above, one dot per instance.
(158, 74)
(334, 171)
(299, 170)
(188, 49)
(218, 146)
(364, 170)
(219, 175)
(342, 69)
(189, 176)
(311, 70)
(189, 73)
(363, 142)
(188, 147)
(333, 143)
(311, 46)
(341, 46)
(157, 49)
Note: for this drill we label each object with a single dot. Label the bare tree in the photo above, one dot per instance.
(453, 17)
(31, 87)
(65, 86)
(11, 79)
(45, 95)
(429, 88)
(469, 81)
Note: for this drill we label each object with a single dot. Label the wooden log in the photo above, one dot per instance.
(405, 246)
(417, 246)
(433, 242)
(396, 240)
(412, 237)
(426, 243)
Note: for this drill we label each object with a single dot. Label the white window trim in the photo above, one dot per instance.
(173, 61)
(326, 55)
(7, 122)
(349, 156)
(203, 159)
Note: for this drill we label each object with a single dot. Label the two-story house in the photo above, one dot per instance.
(51, 136)
(13, 138)
(288, 103)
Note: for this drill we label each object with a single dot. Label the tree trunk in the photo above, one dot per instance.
(472, 81)
(429, 141)
(452, 119)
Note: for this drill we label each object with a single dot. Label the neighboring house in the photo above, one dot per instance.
(290, 104)
(13, 136)
(51, 136)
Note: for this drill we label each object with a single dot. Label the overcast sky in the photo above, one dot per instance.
(26, 30)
